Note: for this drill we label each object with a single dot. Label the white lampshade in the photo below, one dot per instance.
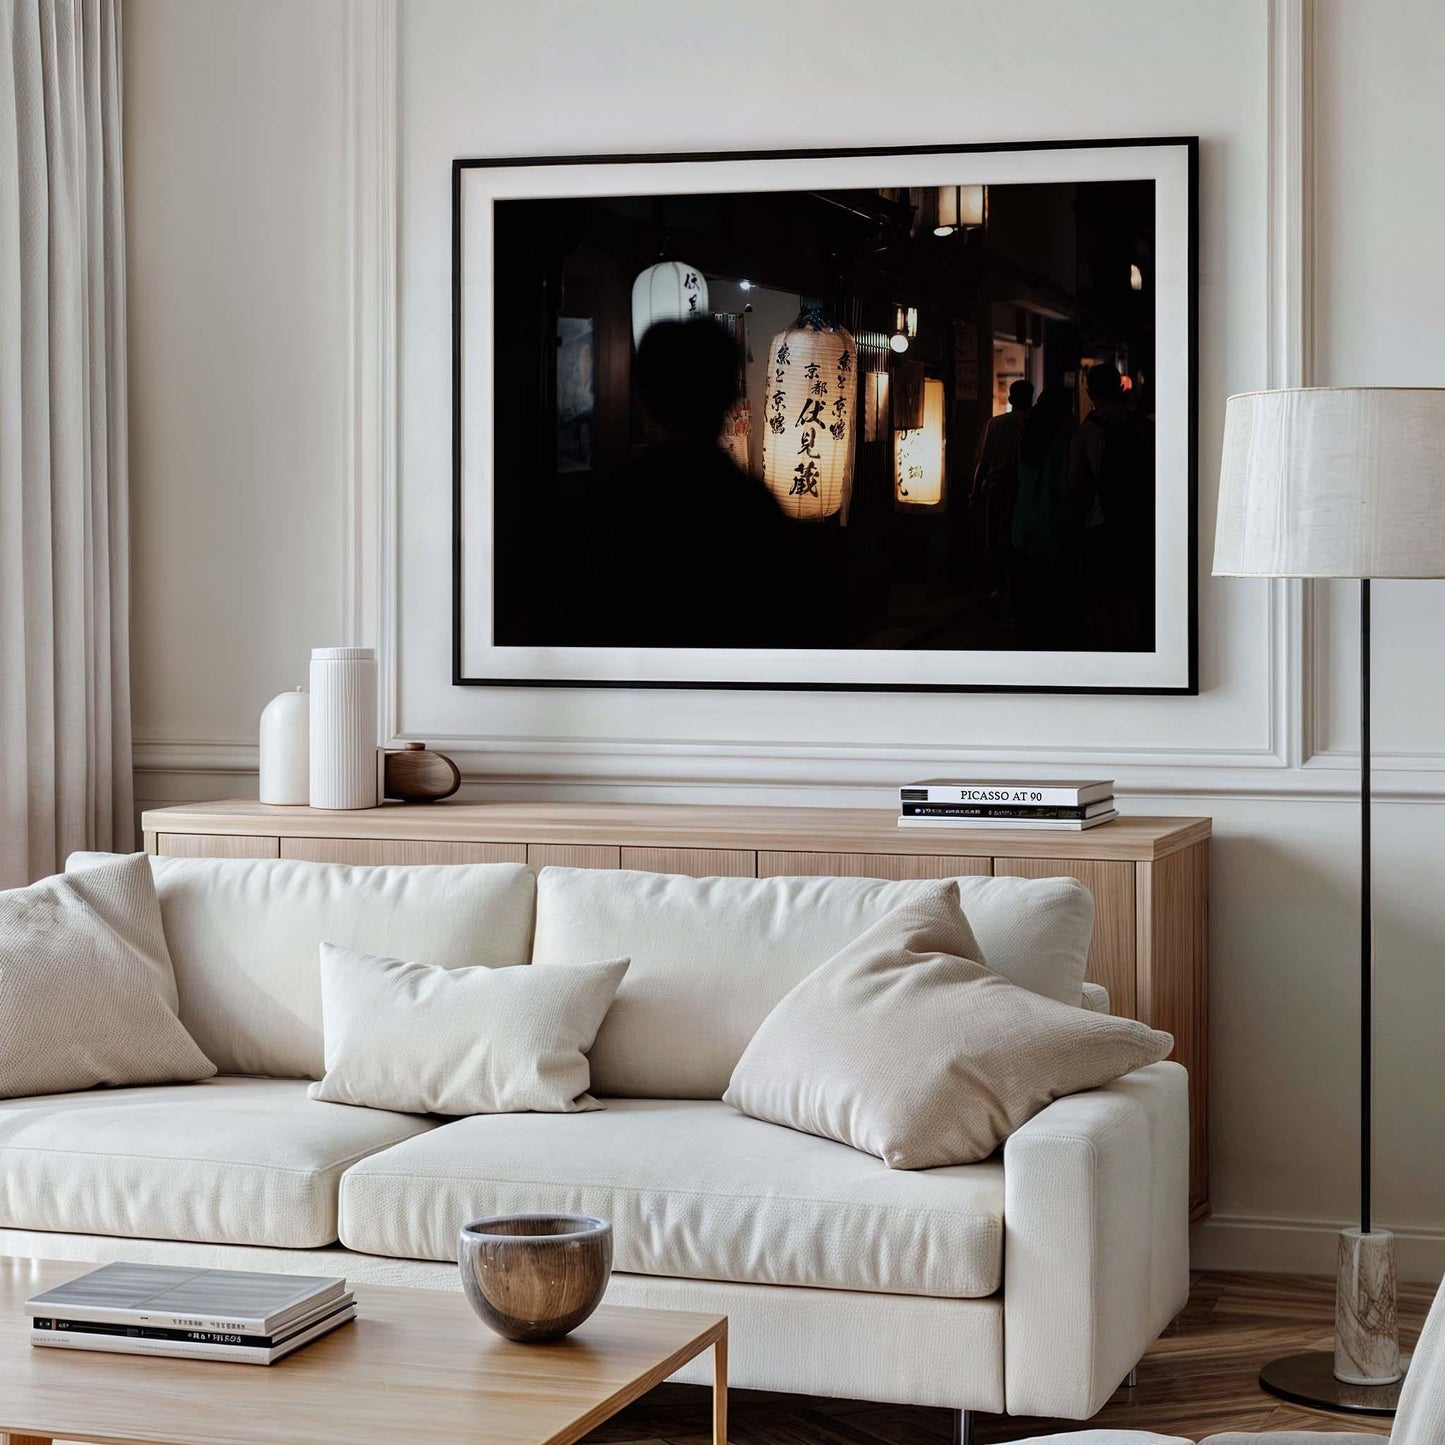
(1333, 482)
(668, 291)
(808, 443)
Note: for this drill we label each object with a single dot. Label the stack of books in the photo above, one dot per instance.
(1065, 807)
(198, 1314)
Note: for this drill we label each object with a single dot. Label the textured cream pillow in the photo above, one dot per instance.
(87, 995)
(421, 1039)
(904, 1047)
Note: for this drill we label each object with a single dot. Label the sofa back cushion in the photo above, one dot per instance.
(712, 956)
(245, 939)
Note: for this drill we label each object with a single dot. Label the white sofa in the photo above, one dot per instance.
(1030, 1283)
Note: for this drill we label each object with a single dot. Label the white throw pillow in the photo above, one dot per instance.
(245, 936)
(418, 1039)
(87, 995)
(711, 956)
(904, 1046)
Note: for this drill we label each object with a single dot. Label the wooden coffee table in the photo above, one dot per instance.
(415, 1365)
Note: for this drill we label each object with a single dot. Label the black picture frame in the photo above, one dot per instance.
(1188, 687)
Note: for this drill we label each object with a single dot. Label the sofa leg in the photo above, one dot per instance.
(963, 1427)
(1132, 1378)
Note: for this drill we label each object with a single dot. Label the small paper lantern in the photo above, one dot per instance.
(876, 414)
(737, 432)
(918, 480)
(961, 208)
(668, 291)
(809, 409)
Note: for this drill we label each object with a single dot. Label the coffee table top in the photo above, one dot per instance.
(415, 1364)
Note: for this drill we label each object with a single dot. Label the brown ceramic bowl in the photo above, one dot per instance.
(535, 1277)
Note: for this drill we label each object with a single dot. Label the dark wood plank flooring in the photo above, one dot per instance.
(1199, 1378)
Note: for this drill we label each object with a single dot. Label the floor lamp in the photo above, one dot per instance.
(1341, 482)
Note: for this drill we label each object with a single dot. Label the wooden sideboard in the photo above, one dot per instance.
(1149, 876)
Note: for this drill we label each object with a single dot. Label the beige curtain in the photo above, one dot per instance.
(65, 779)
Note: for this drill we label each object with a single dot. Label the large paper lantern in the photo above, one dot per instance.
(918, 452)
(809, 407)
(668, 291)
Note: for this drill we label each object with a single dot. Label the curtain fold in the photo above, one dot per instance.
(65, 751)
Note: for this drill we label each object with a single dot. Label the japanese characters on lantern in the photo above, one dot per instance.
(668, 291)
(809, 418)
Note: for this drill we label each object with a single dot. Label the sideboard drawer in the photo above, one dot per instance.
(694, 862)
(1112, 956)
(870, 865)
(216, 845)
(573, 855)
(400, 850)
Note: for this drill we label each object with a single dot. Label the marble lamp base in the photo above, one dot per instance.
(1367, 1326)
(1364, 1373)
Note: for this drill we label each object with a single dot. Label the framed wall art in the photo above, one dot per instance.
(878, 419)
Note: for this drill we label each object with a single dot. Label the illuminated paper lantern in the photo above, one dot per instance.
(961, 208)
(737, 432)
(918, 479)
(810, 417)
(876, 407)
(668, 291)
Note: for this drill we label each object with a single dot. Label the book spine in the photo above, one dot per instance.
(161, 1319)
(983, 794)
(90, 1328)
(971, 810)
(94, 1314)
(168, 1349)
(999, 824)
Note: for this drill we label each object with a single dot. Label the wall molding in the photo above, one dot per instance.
(1277, 1245)
(370, 491)
(517, 767)
(1289, 300)
(662, 762)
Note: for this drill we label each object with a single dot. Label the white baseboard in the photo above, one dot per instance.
(1257, 1243)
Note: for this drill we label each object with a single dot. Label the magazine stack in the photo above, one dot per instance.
(198, 1314)
(1068, 807)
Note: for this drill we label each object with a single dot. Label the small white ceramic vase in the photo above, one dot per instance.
(286, 748)
(343, 727)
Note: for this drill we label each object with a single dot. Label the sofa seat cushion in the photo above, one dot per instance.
(227, 1161)
(693, 1190)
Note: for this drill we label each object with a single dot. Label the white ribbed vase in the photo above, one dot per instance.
(343, 727)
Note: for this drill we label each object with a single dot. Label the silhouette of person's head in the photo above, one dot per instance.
(1021, 395)
(1050, 421)
(687, 377)
(1104, 384)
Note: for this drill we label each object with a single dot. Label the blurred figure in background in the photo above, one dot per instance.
(995, 481)
(1111, 483)
(1045, 535)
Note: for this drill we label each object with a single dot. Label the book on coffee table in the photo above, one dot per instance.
(211, 1314)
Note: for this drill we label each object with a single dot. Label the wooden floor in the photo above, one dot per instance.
(1198, 1379)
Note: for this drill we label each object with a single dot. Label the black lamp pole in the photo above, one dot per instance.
(1367, 942)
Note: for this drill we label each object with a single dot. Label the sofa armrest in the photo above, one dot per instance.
(1096, 1239)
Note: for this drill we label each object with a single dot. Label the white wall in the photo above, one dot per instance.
(234, 139)
(239, 413)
